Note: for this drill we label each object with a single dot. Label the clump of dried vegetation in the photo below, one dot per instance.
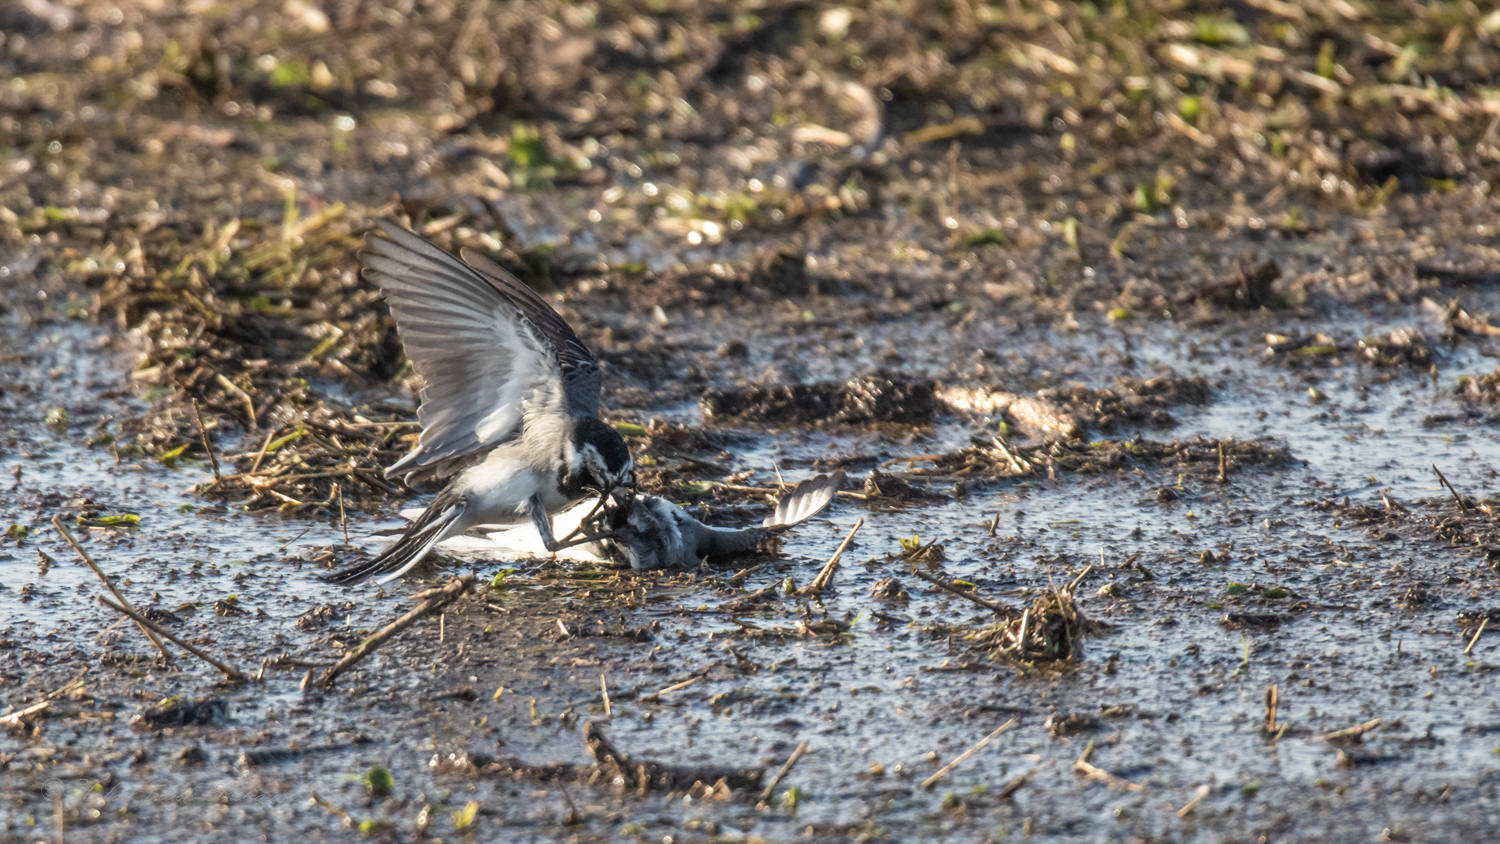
(252, 323)
(1052, 629)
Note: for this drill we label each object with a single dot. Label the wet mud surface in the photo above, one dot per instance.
(1154, 340)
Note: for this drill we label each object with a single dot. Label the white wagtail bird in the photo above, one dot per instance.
(650, 532)
(510, 400)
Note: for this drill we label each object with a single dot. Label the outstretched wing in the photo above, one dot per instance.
(489, 350)
(580, 370)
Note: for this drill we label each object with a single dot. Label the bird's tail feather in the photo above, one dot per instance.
(441, 520)
(805, 501)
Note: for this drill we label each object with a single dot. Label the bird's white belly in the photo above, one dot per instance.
(515, 541)
(500, 489)
(497, 492)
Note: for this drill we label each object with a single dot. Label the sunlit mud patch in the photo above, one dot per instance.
(872, 398)
(1131, 401)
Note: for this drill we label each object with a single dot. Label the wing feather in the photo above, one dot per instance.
(490, 351)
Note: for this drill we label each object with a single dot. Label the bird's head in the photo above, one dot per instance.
(600, 459)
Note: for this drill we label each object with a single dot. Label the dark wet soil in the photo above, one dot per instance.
(1155, 339)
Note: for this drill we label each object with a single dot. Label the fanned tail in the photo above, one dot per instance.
(441, 520)
(807, 500)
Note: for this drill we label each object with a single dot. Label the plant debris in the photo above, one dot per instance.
(1052, 629)
(611, 769)
(180, 712)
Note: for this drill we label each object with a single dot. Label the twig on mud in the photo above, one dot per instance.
(23, 716)
(1273, 698)
(656, 695)
(68, 686)
(917, 555)
(1016, 784)
(1083, 766)
(431, 599)
(261, 455)
(920, 458)
(342, 815)
(213, 458)
(1463, 506)
(231, 388)
(749, 598)
(948, 768)
(1223, 464)
(1001, 609)
(1188, 807)
(572, 817)
(229, 671)
(145, 627)
(1016, 461)
(739, 577)
(604, 692)
(1073, 587)
(1477, 633)
(786, 768)
(343, 519)
(826, 575)
(1351, 735)
(1391, 503)
(11, 720)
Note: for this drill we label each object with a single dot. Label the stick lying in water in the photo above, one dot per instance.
(1000, 609)
(1083, 766)
(948, 768)
(431, 599)
(785, 769)
(229, 670)
(826, 575)
(145, 627)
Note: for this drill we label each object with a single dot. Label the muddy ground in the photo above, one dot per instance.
(1164, 316)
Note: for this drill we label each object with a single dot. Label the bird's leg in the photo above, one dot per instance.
(598, 504)
(543, 524)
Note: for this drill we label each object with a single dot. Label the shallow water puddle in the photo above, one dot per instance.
(1175, 695)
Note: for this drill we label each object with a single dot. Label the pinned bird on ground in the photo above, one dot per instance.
(649, 532)
(509, 400)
